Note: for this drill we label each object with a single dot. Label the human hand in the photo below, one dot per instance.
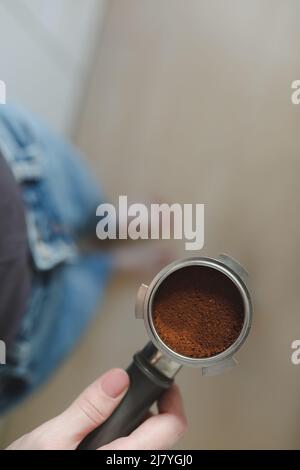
(94, 406)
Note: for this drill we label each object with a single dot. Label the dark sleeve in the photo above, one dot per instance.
(14, 255)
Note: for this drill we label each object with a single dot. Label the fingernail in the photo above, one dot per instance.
(114, 382)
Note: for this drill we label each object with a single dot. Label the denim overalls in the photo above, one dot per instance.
(60, 198)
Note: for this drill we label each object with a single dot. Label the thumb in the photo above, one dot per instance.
(91, 408)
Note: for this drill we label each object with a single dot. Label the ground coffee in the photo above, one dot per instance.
(198, 312)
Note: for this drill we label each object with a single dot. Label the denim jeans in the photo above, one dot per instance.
(60, 197)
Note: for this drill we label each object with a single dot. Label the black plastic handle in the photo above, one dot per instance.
(147, 384)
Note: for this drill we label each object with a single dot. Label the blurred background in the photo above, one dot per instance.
(190, 101)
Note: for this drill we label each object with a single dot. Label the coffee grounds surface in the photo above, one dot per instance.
(198, 312)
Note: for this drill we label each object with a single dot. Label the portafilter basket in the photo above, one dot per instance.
(153, 368)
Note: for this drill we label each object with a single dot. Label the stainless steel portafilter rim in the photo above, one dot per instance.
(232, 270)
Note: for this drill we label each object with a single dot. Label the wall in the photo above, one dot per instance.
(46, 49)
